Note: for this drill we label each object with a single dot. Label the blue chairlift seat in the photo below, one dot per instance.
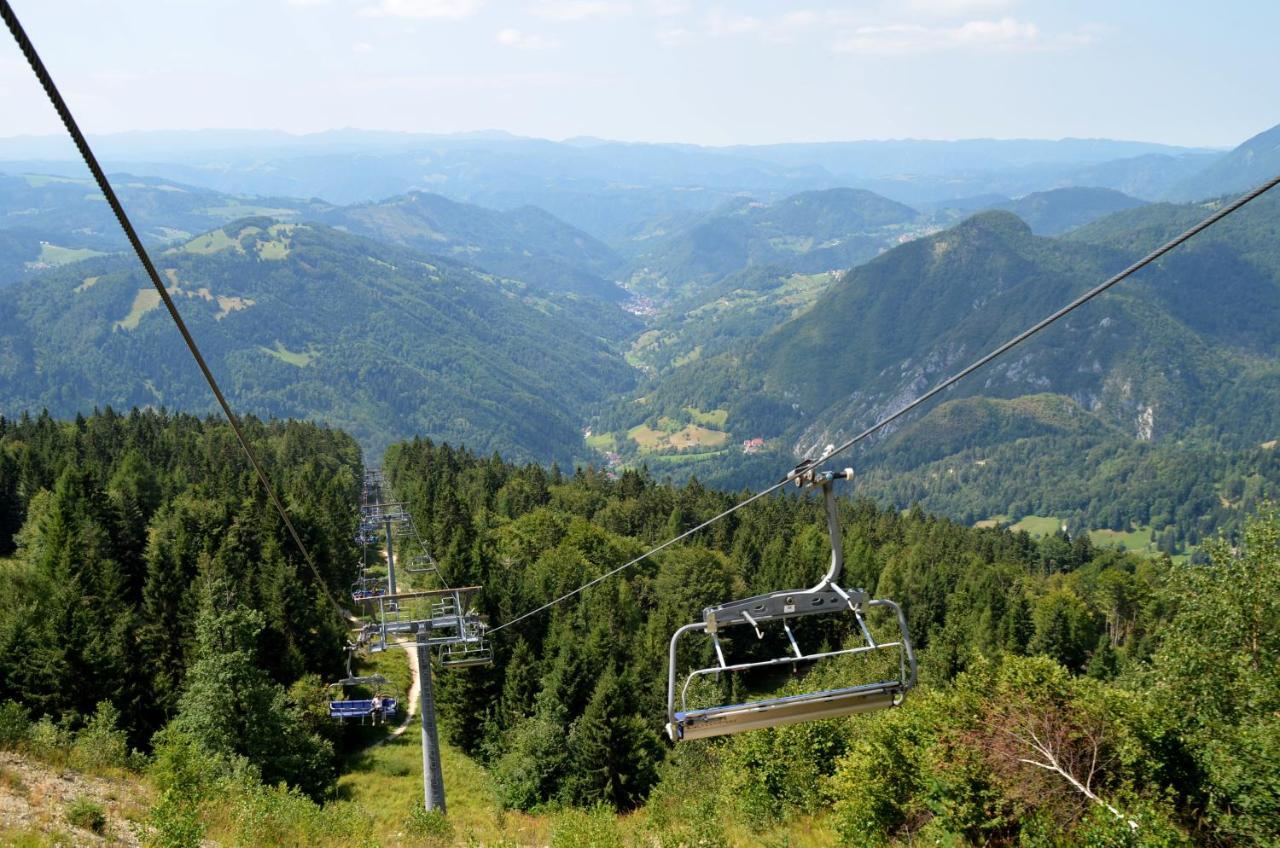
(359, 710)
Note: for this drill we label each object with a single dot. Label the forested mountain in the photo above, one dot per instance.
(805, 233)
(1253, 162)
(46, 221)
(305, 321)
(890, 327)
(1051, 213)
(526, 244)
(1154, 376)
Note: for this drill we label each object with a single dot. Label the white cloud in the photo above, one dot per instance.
(362, 47)
(1005, 34)
(303, 3)
(423, 9)
(673, 37)
(781, 29)
(512, 37)
(957, 8)
(579, 10)
(669, 8)
(721, 23)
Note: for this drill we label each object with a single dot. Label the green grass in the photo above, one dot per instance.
(278, 248)
(385, 781)
(273, 250)
(40, 180)
(1038, 525)
(89, 282)
(52, 254)
(679, 458)
(87, 815)
(212, 242)
(685, 438)
(301, 360)
(716, 418)
(684, 359)
(235, 210)
(170, 233)
(17, 837)
(1138, 540)
(143, 302)
(601, 442)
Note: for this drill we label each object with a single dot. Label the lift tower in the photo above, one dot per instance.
(439, 619)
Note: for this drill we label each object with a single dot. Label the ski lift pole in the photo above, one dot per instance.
(391, 559)
(432, 774)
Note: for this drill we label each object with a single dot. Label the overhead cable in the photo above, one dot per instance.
(104, 185)
(836, 450)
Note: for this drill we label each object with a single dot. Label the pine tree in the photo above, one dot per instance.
(613, 754)
(231, 707)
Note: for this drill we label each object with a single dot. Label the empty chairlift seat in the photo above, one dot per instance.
(778, 608)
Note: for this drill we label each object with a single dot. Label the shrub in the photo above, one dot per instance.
(100, 745)
(15, 724)
(48, 741)
(430, 825)
(87, 815)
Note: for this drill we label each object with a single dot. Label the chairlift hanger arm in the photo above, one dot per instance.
(824, 597)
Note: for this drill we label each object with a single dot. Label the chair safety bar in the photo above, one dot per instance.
(685, 724)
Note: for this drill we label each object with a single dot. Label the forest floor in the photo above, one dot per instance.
(38, 803)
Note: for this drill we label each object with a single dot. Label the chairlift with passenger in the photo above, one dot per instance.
(374, 709)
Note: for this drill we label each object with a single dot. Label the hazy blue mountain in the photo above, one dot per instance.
(50, 220)
(610, 189)
(811, 232)
(305, 321)
(1054, 212)
(1253, 162)
(527, 244)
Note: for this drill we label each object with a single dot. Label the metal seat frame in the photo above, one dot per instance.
(826, 597)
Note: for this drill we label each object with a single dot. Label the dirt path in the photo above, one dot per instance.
(411, 708)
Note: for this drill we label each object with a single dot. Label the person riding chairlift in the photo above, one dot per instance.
(377, 708)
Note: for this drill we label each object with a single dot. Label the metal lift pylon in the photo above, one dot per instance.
(434, 618)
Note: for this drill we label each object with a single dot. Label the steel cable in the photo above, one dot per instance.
(940, 387)
(73, 129)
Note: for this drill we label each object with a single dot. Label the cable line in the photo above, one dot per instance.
(86, 153)
(834, 451)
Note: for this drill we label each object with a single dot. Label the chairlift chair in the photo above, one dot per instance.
(367, 588)
(472, 649)
(825, 598)
(424, 564)
(360, 708)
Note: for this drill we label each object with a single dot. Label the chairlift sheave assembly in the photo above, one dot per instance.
(825, 598)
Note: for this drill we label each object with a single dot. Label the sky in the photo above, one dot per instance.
(715, 73)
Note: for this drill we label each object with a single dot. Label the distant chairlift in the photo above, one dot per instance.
(423, 564)
(366, 588)
(826, 598)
